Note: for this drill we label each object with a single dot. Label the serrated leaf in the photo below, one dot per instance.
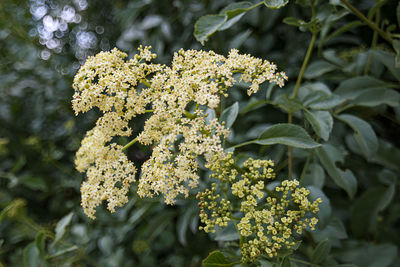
(321, 122)
(207, 26)
(328, 160)
(230, 114)
(363, 133)
(61, 227)
(321, 252)
(31, 255)
(286, 134)
(275, 4)
(216, 259)
(318, 68)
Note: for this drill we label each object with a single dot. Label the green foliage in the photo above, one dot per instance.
(343, 133)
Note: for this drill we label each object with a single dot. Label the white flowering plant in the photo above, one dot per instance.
(177, 100)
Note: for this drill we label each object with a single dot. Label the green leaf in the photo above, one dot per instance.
(363, 133)
(321, 252)
(230, 114)
(322, 100)
(235, 9)
(286, 134)
(388, 155)
(303, 26)
(183, 224)
(368, 254)
(315, 176)
(287, 104)
(216, 259)
(31, 255)
(368, 91)
(63, 251)
(228, 233)
(348, 26)
(327, 159)
(61, 227)
(234, 12)
(207, 26)
(364, 213)
(321, 122)
(318, 68)
(286, 262)
(275, 4)
(388, 59)
(40, 243)
(334, 230)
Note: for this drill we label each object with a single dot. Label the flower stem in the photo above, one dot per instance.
(296, 90)
(372, 25)
(130, 144)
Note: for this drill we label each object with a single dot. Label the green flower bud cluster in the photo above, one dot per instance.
(270, 219)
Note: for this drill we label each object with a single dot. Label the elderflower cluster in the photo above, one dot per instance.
(175, 99)
(270, 219)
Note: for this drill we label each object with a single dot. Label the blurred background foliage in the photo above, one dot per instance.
(42, 45)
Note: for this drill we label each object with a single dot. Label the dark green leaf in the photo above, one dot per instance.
(286, 262)
(315, 176)
(364, 213)
(334, 230)
(234, 9)
(286, 134)
(322, 100)
(230, 114)
(234, 12)
(327, 159)
(216, 259)
(321, 252)
(40, 243)
(321, 122)
(206, 26)
(287, 104)
(275, 4)
(318, 68)
(183, 224)
(388, 155)
(367, 254)
(368, 91)
(388, 59)
(228, 233)
(363, 133)
(61, 227)
(31, 255)
(63, 251)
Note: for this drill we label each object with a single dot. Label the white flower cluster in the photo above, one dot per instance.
(123, 89)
